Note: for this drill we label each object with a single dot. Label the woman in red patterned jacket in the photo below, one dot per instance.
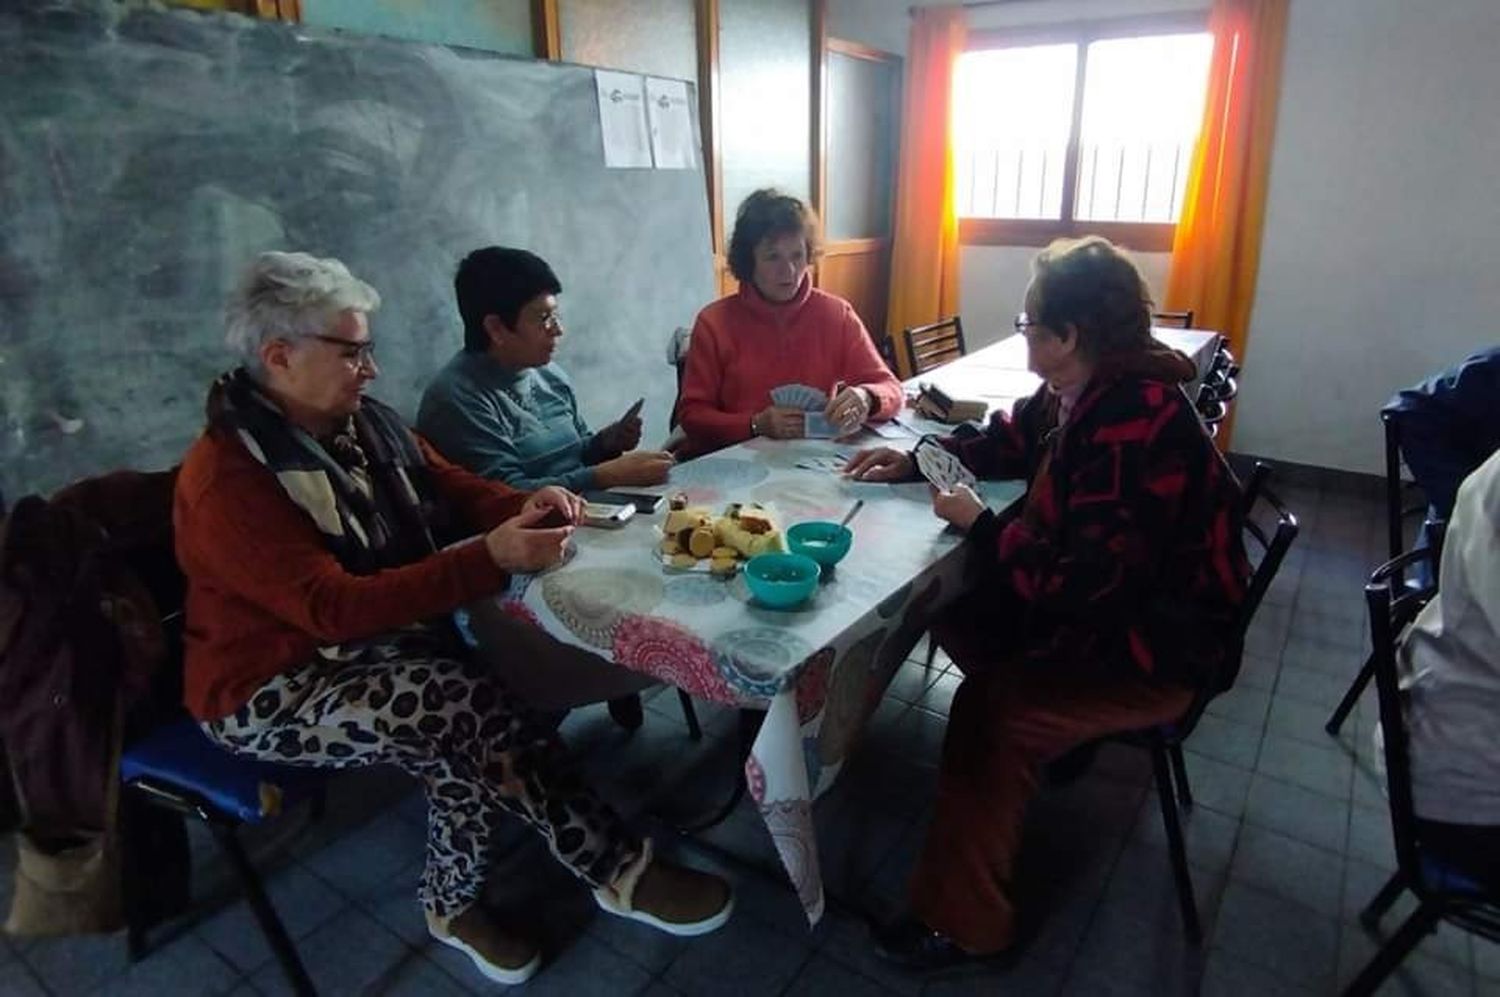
(1106, 599)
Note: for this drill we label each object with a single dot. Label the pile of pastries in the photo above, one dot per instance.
(692, 536)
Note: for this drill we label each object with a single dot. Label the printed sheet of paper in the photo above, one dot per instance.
(671, 119)
(622, 120)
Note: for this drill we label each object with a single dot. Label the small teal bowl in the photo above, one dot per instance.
(826, 543)
(781, 581)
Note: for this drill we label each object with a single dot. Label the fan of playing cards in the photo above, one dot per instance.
(811, 401)
(940, 467)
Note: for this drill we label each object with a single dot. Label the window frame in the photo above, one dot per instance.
(1150, 236)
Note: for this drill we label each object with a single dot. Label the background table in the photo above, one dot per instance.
(819, 670)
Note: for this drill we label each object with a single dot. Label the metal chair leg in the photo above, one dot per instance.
(1176, 847)
(265, 914)
(1375, 910)
(1179, 776)
(1346, 705)
(690, 714)
(932, 649)
(1416, 927)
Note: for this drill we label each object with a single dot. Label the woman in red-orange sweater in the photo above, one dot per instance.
(311, 525)
(778, 330)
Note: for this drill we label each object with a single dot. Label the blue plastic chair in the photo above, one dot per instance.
(177, 767)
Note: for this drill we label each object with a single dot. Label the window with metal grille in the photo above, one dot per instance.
(1085, 129)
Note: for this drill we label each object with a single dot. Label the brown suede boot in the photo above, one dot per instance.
(673, 899)
(499, 955)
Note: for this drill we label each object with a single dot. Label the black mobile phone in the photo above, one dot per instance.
(644, 503)
(552, 520)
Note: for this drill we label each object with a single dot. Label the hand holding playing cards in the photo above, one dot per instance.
(623, 434)
(848, 409)
(779, 423)
(959, 507)
(880, 464)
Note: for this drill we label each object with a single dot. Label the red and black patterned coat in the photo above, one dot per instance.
(1129, 545)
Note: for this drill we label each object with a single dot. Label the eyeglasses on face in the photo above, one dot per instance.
(1024, 322)
(356, 353)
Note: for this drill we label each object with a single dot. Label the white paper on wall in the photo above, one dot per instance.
(670, 116)
(622, 120)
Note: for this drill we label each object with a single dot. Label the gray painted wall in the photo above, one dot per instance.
(146, 155)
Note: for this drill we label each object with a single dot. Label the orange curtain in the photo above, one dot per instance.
(924, 252)
(1216, 251)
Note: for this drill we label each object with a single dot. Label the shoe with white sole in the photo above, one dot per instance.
(670, 898)
(497, 954)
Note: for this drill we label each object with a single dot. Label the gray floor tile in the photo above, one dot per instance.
(1226, 976)
(1311, 624)
(922, 732)
(1318, 688)
(744, 957)
(417, 977)
(1259, 671)
(660, 989)
(1268, 631)
(351, 954)
(1340, 658)
(821, 976)
(589, 968)
(1296, 718)
(1486, 958)
(910, 682)
(1289, 869)
(16, 980)
(1216, 785)
(302, 900)
(73, 965)
(939, 696)
(1418, 974)
(1298, 813)
(395, 905)
(185, 966)
(1323, 770)
(643, 945)
(360, 864)
(846, 939)
(1029, 977)
(1290, 940)
(1242, 704)
(1209, 836)
(1227, 740)
(1370, 836)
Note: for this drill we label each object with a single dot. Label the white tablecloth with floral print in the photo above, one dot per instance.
(818, 670)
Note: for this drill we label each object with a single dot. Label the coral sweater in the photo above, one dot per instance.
(264, 592)
(743, 346)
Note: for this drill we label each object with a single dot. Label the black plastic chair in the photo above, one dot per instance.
(1173, 320)
(1398, 510)
(1395, 594)
(929, 346)
(1169, 768)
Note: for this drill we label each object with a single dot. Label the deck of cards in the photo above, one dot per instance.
(943, 469)
(811, 401)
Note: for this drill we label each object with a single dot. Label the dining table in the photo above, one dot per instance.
(820, 669)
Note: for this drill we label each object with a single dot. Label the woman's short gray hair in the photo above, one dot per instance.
(291, 295)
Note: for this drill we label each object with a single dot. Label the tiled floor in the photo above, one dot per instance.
(1288, 840)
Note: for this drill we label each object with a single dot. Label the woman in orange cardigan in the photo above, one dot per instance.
(778, 330)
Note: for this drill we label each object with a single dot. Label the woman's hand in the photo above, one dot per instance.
(638, 467)
(959, 507)
(552, 497)
(780, 423)
(848, 409)
(880, 464)
(522, 545)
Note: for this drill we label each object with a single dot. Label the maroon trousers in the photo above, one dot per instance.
(1007, 721)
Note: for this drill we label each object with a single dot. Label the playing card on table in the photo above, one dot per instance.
(942, 468)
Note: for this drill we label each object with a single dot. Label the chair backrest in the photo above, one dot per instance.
(1397, 508)
(1173, 320)
(930, 346)
(1394, 602)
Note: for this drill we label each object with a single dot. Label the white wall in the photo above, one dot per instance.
(992, 281)
(1382, 236)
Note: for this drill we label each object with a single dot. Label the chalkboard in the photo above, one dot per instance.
(146, 155)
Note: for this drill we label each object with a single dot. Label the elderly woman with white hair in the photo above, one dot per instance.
(314, 530)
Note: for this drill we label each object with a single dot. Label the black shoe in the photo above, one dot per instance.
(627, 712)
(911, 945)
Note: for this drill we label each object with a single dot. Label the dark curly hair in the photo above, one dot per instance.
(769, 212)
(1093, 284)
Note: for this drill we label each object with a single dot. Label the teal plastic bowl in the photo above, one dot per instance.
(781, 581)
(824, 542)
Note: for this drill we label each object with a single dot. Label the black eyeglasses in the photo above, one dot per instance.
(358, 353)
(1024, 322)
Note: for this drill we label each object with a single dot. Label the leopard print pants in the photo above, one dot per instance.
(478, 751)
